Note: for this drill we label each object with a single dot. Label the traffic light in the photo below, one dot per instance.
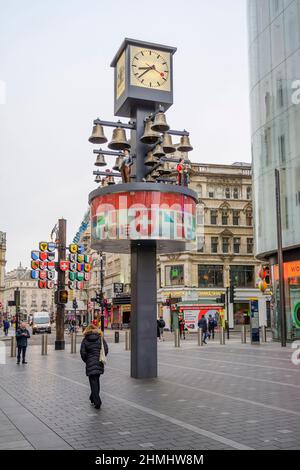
(267, 275)
(63, 297)
(99, 298)
(75, 304)
(232, 294)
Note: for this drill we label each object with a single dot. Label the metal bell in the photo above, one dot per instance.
(110, 180)
(167, 144)
(149, 179)
(119, 141)
(158, 151)
(98, 136)
(155, 174)
(150, 136)
(118, 163)
(166, 169)
(150, 160)
(98, 179)
(185, 145)
(160, 123)
(100, 161)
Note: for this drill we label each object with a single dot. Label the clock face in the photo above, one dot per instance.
(120, 75)
(150, 68)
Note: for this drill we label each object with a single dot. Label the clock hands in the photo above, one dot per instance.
(147, 70)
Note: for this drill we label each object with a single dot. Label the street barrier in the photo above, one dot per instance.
(13, 347)
(200, 337)
(117, 336)
(263, 333)
(73, 343)
(177, 338)
(222, 335)
(44, 344)
(244, 334)
(127, 340)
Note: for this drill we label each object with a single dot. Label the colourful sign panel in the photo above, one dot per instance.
(144, 215)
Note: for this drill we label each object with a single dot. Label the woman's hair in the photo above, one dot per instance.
(91, 328)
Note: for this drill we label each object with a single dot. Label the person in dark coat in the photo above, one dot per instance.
(202, 323)
(22, 334)
(90, 354)
(6, 327)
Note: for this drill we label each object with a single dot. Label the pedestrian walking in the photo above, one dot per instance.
(6, 327)
(202, 323)
(212, 323)
(160, 328)
(92, 348)
(22, 335)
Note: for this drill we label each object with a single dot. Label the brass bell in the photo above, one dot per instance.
(166, 169)
(150, 160)
(149, 179)
(158, 151)
(185, 145)
(110, 180)
(98, 136)
(98, 179)
(150, 136)
(119, 141)
(167, 144)
(160, 123)
(155, 174)
(100, 161)
(118, 163)
(160, 169)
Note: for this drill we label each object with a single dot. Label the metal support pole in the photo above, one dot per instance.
(101, 292)
(127, 340)
(73, 343)
(243, 334)
(222, 335)
(13, 347)
(44, 344)
(177, 338)
(280, 260)
(263, 333)
(60, 312)
(200, 337)
(17, 301)
(227, 311)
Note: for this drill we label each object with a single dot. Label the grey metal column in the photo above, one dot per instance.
(61, 276)
(143, 311)
(137, 147)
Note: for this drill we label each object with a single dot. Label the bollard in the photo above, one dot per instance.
(200, 337)
(222, 335)
(117, 336)
(243, 334)
(44, 344)
(263, 330)
(127, 340)
(13, 347)
(177, 338)
(73, 343)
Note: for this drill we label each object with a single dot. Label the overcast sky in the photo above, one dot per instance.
(55, 61)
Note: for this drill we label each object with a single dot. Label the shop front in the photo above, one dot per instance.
(121, 312)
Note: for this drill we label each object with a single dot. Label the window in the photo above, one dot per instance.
(210, 194)
(242, 276)
(175, 275)
(249, 192)
(227, 193)
(249, 217)
(200, 214)
(213, 217)
(235, 193)
(235, 217)
(280, 101)
(210, 276)
(236, 245)
(281, 148)
(200, 244)
(224, 217)
(225, 244)
(249, 246)
(199, 190)
(214, 244)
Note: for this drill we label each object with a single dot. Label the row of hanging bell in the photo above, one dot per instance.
(118, 163)
(118, 142)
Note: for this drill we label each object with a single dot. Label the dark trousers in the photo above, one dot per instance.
(23, 350)
(6, 331)
(212, 331)
(95, 389)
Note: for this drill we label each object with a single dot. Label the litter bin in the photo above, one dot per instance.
(117, 336)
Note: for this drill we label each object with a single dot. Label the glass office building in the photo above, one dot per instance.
(274, 56)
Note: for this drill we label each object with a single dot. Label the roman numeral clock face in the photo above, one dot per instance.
(150, 69)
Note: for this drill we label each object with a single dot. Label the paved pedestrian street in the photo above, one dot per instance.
(213, 397)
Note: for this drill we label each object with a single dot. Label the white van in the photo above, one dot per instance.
(41, 323)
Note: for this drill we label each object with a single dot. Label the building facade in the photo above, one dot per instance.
(32, 299)
(223, 253)
(274, 56)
